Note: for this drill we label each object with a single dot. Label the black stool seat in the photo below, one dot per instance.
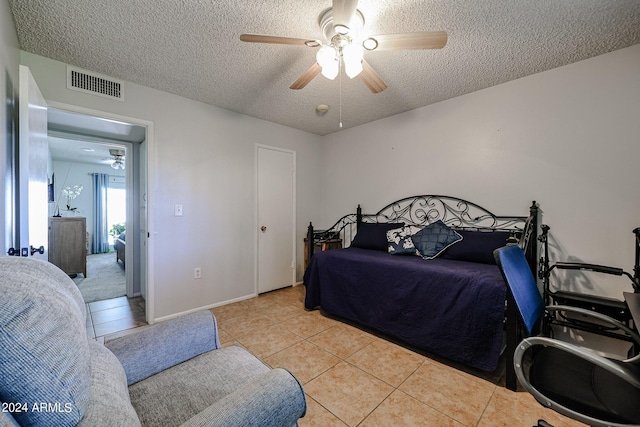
(584, 387)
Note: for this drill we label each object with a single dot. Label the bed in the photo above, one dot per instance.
(452, 305)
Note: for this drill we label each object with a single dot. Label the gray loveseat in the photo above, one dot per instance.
(173, 373)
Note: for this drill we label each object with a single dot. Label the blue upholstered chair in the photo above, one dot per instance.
(571, 380)
(169, 374)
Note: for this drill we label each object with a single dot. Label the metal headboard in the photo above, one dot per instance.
(425, 209)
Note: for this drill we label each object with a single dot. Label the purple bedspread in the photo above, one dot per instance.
(454, 309)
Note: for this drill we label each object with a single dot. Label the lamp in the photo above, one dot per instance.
(118, 158)
(352, 56)
(327, 58)
(117, 164)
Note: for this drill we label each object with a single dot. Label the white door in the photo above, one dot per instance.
(276, 218)
(33, 156)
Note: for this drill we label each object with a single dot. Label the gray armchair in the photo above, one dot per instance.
(169, 374)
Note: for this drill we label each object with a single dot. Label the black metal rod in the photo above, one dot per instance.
(310, 243)
(636, 267)
(588, 267)
(513, 328)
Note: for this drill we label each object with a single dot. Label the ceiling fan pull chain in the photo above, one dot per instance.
(340, 88)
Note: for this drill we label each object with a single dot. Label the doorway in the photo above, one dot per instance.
(87, 184)
(115, 149)
(276, 219)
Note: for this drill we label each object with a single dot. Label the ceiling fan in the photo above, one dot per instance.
(117, 158)
(342, 26)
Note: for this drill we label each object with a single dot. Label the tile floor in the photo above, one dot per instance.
(354, 378)
(114, 315)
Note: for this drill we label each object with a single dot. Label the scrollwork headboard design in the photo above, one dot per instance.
(425, 209)
(455, 212)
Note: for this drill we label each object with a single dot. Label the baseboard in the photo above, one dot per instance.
(204, 307)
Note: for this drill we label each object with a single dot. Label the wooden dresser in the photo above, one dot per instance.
(68, 244)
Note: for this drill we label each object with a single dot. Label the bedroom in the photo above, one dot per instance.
(567, 137)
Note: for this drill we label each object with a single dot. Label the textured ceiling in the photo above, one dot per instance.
(192, 48)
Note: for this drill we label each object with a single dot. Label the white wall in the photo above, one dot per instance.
(568, 138)
(202, 157)
(9, 61)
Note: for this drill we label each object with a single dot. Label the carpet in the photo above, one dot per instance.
(106, 278)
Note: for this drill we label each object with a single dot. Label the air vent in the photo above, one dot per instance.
(93, 83)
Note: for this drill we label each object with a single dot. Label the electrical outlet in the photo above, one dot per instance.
(197, 273)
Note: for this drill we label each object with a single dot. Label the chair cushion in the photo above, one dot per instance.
(109, 404)
(45, 351)
(173, 396)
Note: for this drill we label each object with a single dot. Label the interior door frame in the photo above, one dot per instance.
(256, 219)
(149, 302)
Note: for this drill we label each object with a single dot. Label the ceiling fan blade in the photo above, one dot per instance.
(420, 40)
(370, 78)
(307, 77)
(257, 38)
(343, 11)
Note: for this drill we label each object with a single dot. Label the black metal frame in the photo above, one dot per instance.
(425, 209)
(616, 309)
(459, 214)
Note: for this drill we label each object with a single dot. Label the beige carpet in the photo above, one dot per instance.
(105, 278)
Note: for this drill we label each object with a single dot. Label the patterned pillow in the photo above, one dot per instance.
(399, 240)
(434, 239)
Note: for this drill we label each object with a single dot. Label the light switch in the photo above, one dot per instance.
(177, 210)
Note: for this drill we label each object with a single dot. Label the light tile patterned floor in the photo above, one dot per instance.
(353, 378)
(116, 315)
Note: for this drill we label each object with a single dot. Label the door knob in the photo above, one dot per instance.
(263, 228)
(39, 250)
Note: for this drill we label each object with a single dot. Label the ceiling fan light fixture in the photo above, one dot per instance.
(117, 164)
(352, 55)
(370, 43)
(331, 70)
(327, 58)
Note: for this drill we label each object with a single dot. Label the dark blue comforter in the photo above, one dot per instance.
(452, 308)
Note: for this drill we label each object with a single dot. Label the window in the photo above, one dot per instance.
(116, 208)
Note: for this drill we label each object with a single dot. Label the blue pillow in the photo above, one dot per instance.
(477, 246)
(374, 235)
(434, 238)
(399, 240)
